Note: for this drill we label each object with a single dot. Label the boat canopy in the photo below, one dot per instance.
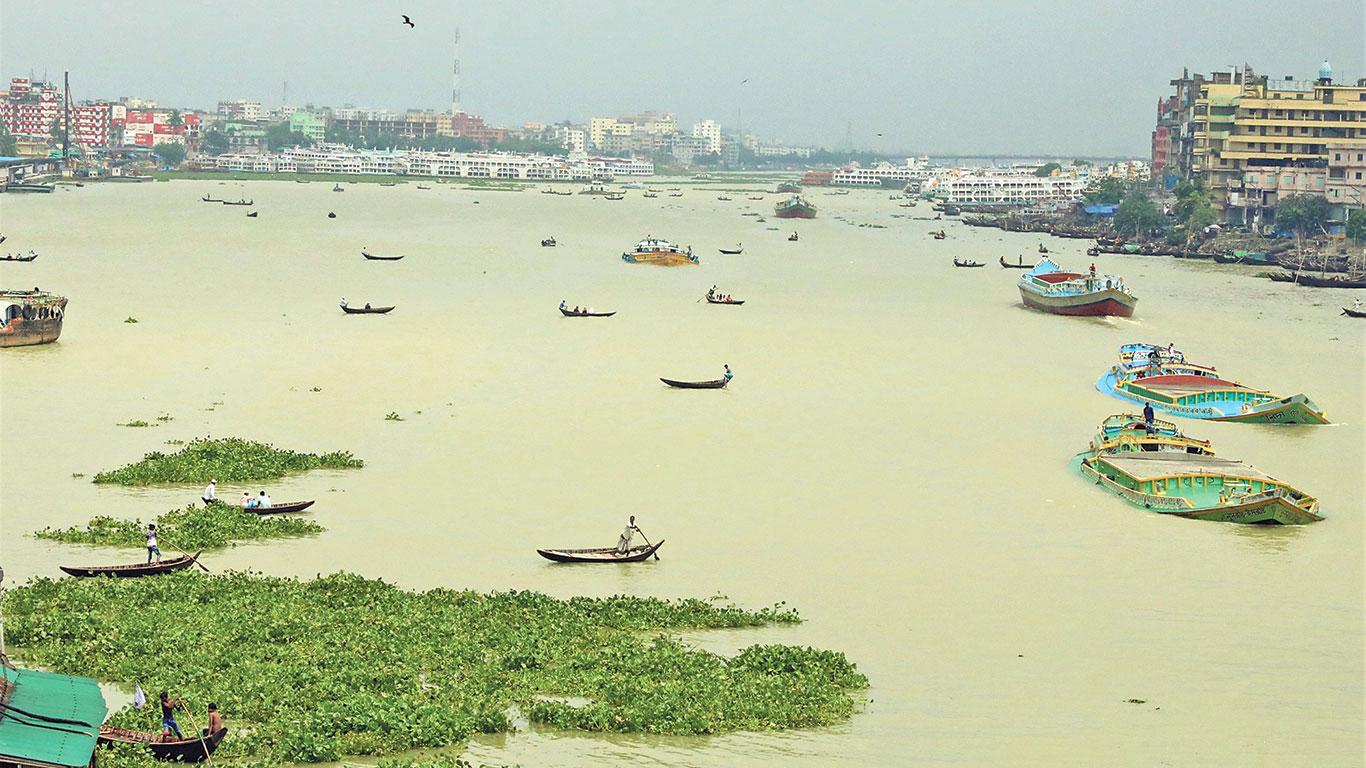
(27, 741)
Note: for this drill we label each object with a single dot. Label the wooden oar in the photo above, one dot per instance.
(194, 557)
(208, 758)
(647, 541)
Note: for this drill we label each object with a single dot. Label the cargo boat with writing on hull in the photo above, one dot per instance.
(1166, 472)
(30, 317)
(1048, 288)
(794, 207)
(1161, 376)
(661, 253)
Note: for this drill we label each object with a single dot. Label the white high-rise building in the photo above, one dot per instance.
(709, 130)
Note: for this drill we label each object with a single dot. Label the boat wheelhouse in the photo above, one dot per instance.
(659, 252)
(30, 317)
(1127, 432)
(1199, 392)
(1198, 486)
(795, 207)
(1048, 288)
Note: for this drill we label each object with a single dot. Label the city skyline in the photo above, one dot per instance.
(901, 82)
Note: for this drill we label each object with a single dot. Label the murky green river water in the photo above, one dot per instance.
(890, 459)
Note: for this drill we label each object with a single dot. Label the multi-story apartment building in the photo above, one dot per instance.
(1346, 187)
(1253, 139)
(709, 131)
(239, 110)
(31, 109)
(309, 124)
(147, 128)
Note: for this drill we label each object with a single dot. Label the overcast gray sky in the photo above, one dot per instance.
(962, 76)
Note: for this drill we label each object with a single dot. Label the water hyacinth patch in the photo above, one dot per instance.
(313, 671)
(230, 460)
(191, 528)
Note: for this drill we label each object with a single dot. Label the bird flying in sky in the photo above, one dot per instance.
(408, 21)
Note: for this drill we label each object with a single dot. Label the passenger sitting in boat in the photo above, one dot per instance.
(168, 723)
(215, 720)
(246, 501)
(152, 548)
(367, 305)
(624, 541)
(562, 304)
(728, 375)
(210, 493)
(264, 501)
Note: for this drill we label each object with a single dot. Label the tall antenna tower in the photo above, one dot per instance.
(284, 94)
(455, 74)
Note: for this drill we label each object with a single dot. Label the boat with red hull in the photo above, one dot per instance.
(1048, 288)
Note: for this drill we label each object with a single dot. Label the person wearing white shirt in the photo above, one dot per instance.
(264, 503)
(211, 493)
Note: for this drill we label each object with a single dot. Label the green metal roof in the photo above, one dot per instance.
(31, 740)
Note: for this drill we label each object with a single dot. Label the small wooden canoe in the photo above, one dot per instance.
(736, 302)
(134, 570)
(1352, 312)
(731, 251)
(282, 508)
(252, 215)
(968, 264)
(19, 258)
(1008, 265)
(373, 257)
(713, 384)
(601, 555)
(366, 310)
(548, 242)
(193, 750)
(572, 313)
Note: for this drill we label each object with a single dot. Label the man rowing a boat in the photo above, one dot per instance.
(624, 541)
(168, 723)
(152, 548)
(210, 493)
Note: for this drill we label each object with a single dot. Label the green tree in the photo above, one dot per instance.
(215, 142)
(1201, 217)
(1107, 192)
(1303, 214)
(1047, 169)
(1137, 216)
(8, 146)
(1190, 196)
(278, 136)
(176, 120)
(1356, 225)
(171, 155)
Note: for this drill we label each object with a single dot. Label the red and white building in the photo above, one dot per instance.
(148, 128)
(29, 109)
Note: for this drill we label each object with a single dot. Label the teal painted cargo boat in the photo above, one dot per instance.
(1162, 470)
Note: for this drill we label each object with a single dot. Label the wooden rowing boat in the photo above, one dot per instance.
(282, 508)
(735, 302)
(601, 554)
(1353, 312)
(193, 750)
(572, 313)
(731, 251)
(1008, 265)
(968, 264)
(367, 310)
(7, 257)
(713, 384)
(373, 257)
(134, 570)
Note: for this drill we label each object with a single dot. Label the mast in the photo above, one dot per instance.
(66, 135)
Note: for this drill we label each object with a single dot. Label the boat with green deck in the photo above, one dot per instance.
(1164, 471)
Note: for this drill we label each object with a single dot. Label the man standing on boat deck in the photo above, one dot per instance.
(1148, 417)
(152, 548)
(211, 493)
(168, 723)
(624, 541)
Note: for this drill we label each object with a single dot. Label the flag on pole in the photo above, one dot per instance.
(139, 698)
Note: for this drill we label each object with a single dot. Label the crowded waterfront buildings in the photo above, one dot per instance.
(336, 158)
(1254, 139)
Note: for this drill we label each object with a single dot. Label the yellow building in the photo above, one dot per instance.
(1255, 140)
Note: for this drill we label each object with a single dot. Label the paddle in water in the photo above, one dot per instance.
(647, 541)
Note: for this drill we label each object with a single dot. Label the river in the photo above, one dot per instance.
(891, 458)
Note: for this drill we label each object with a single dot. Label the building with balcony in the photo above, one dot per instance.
(309, 124)
(239, 109)
(1236, 129)
(710, 132)
(1346, 185)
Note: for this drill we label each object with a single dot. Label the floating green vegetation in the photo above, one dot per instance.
(131, 319)
(342, 665)
(191, 528)
(229, 460)
(392, 416)
(165, 417)
(76, 475)
(138, 423)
